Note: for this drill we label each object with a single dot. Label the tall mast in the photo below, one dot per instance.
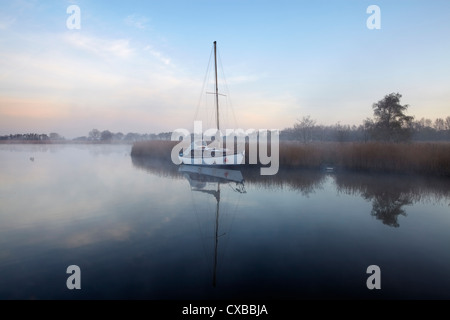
(217, 88)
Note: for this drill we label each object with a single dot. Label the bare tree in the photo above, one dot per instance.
(304, 128)
(94, 134)
(439, 124)
(447, 123)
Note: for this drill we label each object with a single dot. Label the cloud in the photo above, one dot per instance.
(157, 55)
(105, 48)
(31, 108)
(70, 82)
(136, 21)
(6, 22)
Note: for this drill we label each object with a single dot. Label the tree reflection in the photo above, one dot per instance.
(304, 181)
(388, 194)
(387, 207)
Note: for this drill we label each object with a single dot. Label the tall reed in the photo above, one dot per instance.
(431, 158)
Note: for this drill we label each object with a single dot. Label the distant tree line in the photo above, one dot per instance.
(389, 123)
(94, 135)
(32, 137)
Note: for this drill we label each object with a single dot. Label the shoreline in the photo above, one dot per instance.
(422, 158)
(419, 158)
(44, 142)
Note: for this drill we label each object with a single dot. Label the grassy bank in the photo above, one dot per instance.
(419, 158)
(411, 158)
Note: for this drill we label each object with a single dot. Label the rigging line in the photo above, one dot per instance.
(227, 91)
(204, 84)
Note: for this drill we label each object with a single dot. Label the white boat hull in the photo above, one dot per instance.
(222, 160)
(213, 172)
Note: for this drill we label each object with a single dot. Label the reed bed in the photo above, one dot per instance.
(429, 158)
(158, 149)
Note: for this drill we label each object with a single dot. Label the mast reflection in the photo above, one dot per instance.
(208, 180)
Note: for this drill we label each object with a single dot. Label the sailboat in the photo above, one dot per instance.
(208, 180)
(201, 152)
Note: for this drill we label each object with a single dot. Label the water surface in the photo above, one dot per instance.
(141, 229)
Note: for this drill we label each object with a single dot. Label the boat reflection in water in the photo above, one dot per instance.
(206, 180)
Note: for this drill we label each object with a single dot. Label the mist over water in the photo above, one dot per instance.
(142, 229)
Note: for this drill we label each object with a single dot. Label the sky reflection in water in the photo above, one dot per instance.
(139, 230)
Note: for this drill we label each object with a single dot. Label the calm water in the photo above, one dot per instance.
(144, 230)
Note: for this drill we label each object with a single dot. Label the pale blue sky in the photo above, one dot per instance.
(138, 66)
